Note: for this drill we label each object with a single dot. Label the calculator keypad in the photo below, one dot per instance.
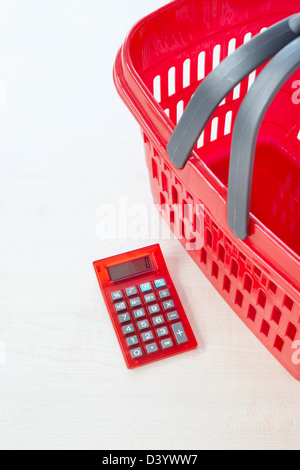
(162, 332)
(148, 336)
(164, 294)
(128, 329)
(166, 343)
(131, 291)
(139, 313)
(179, 333)
(135, 302)
(168, 304)
(132, 341)
(145, 287)
(137, 352)
(143, 322)
(151, 348)
(124, 317)
(172, 316)
(120, 306)
(158, 320)
(149, 298)
(147, 315)
(143, 325)
(154, 309)
(117, 295)
(160, 283)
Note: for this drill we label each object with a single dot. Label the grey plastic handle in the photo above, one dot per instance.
(222, 80)
(246, 128)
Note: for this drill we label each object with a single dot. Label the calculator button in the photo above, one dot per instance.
(151, 348)
(120, 306)
(136, 353)
(149, 298)
(172, 316)
(124, 317)
(147, 336)
(160, 283)
(166, 343)
(133, 340)
(145, 287)
(128, 329)
(164, 294)
(139, 313)
(135, 302)
(162, 331)
(117, 295)
(168, 304)
(154, 309)
(179, 333)
(158, 320)
(131, 291)
(143, 324)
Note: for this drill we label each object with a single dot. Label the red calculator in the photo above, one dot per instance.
(144, 307)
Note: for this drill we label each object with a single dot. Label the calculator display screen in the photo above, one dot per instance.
(131, 268)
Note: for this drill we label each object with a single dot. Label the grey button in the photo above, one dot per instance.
(117, 295)
(151, 348)
(131, 291)
(143, 324)
(168, 304)
(154, 309)
(132, 340)
(173, 316)
(135, 302)
(149, 298)
(158, 320)
(147, 336)
(137, 352)
(139, 313)
(179, 333)
(162, 331)
(164, 294)
(120, 306)
(128, 329)
(166, 343)
(124, 317)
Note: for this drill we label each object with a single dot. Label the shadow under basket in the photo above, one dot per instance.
(160, 65)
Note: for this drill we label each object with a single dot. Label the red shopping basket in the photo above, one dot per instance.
(164, 59)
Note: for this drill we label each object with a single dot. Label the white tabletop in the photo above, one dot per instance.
(68, 145)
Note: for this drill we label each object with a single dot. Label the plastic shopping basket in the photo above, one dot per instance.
(252, 260)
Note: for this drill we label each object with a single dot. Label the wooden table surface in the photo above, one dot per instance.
(68, 146)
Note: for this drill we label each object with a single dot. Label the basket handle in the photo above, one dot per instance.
(222, 80)
(245, 132)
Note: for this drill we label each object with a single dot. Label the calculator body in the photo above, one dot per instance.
(144, 307)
